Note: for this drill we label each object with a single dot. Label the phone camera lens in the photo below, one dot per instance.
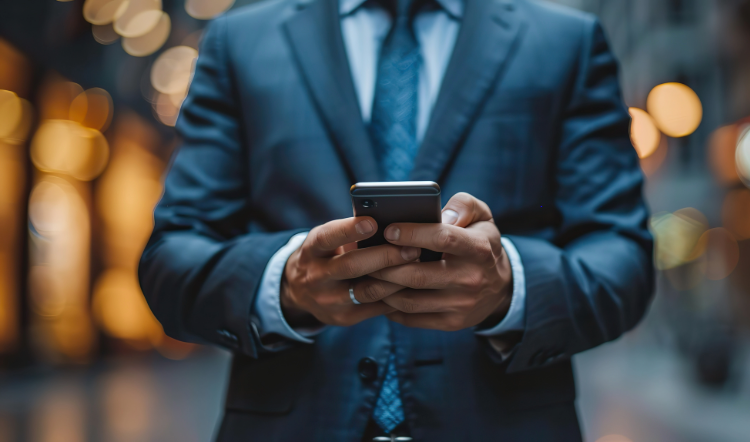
(368, 203)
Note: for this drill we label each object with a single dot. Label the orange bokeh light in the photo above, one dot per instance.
(643, 133)
(11, 112)
(735, 213)
(172, 71)
(151, 41)
(93, 109)
(102, 12)
(207, 9)
(675, 108)
(137, 17)
(721, 154)
(66, 147)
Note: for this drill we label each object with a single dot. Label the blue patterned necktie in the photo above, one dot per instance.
(393, 128)
(393, 124)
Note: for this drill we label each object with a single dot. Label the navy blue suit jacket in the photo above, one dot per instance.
(529, 119)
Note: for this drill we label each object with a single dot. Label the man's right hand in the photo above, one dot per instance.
(318, 275)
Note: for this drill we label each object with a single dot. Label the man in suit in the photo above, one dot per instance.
(513, 107)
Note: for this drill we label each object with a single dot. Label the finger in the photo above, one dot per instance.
(349, 247)
(463, 210)
(428, 275)
(429, 301)
(367, 290)
(324, 240)
(432, 321)
(362, 262)
(438, 237)
(348, 316)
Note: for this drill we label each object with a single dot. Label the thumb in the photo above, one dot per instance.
(463, 210)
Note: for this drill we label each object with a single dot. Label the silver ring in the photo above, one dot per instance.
(351, 295)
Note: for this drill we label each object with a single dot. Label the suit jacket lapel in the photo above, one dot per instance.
(489, 33)
(314, 33)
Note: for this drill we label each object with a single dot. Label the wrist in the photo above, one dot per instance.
(505, 294)
(294, 315)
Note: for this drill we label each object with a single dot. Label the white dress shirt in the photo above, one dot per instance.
(364, 26)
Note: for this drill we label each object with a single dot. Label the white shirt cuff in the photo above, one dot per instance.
(515, 319)
(269, 319)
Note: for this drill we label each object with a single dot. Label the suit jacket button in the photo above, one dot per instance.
(368, 369)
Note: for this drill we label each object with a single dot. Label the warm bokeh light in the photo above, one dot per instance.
(722, 253)
(644, 134)
(16, 119)
(172, 71)
(121, 309)
(675, 108)
(12, 178)
(721, 154)
(125, 198)
(137, 17)
(66, 147)
(151, 41)
(56, 96)
(735, 213)
(21, 134)
(653, 163)
(11, 112)
(59, 269)
(93, 109)
(742, 155)
(14, 69)
(677, 237)
(102, 12)
(166, 109)
(207, 9)
(104, 34)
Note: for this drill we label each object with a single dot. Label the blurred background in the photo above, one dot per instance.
(89, 92)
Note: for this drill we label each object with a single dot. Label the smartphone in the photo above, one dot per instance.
(397, 202)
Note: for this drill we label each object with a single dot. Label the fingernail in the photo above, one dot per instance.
(450, 216)
(392, 233)
(363, 227)
(410, 253)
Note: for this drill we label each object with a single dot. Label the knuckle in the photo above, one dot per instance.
(474, 281)
(327, 238)
(418, 279)
(409, 307)
(371, 292)
(484, 251)
(388, 259)
(446, 238)
(346, 267)
(463, 198)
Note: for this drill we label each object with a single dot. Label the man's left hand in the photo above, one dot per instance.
(471, 285)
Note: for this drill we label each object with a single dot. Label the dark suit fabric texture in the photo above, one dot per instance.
(529, 119)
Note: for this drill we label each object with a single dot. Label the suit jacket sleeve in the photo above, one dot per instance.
(201, 268)
(593, 282)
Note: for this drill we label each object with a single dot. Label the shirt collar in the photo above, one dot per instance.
(453, 7)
